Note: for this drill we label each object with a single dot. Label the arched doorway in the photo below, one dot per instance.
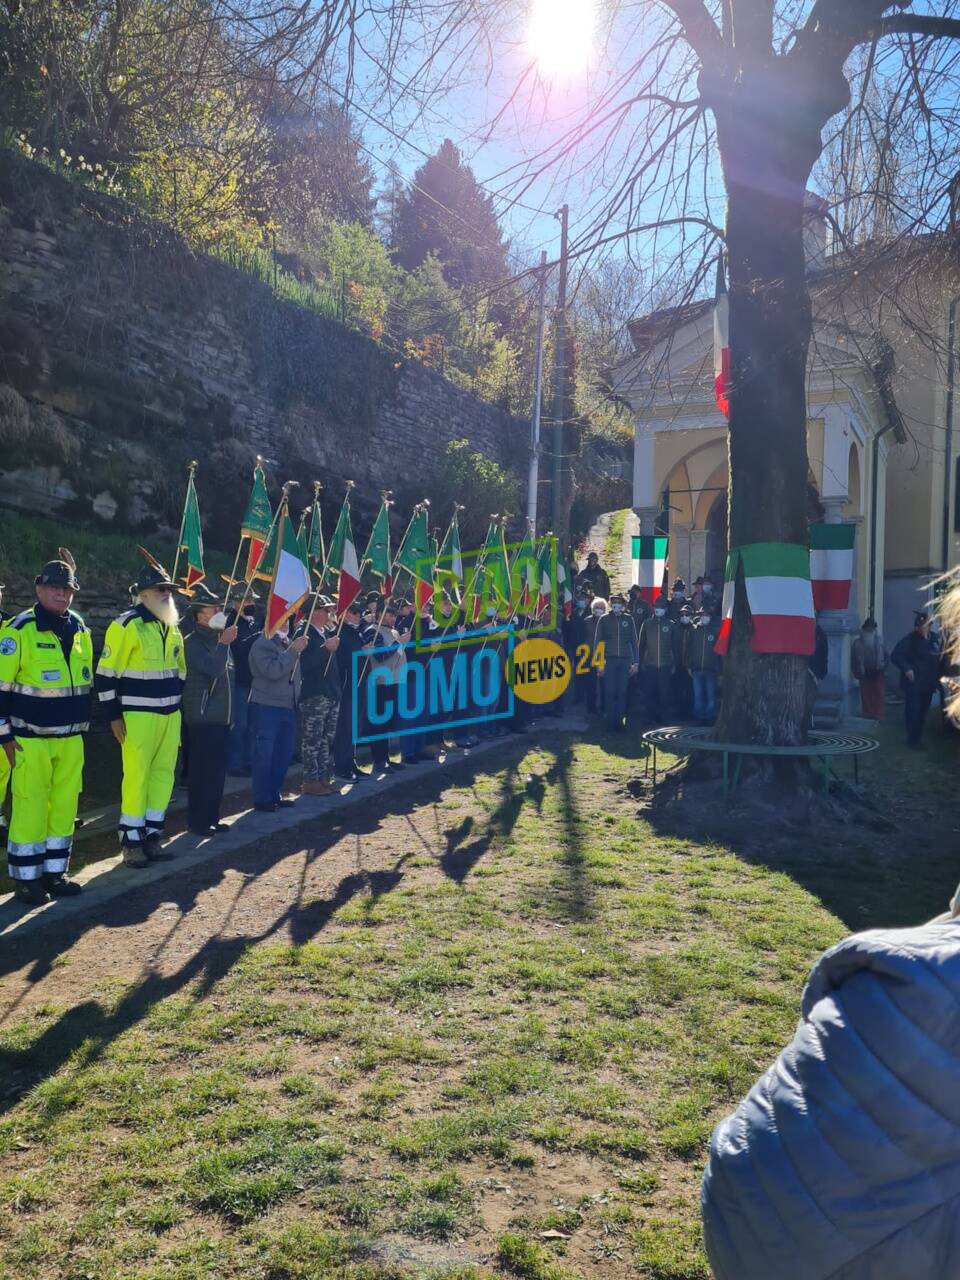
(716, 550)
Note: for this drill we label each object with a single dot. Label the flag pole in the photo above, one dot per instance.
(284, 491)
(315, 515)
(236, 558)
(191, 472)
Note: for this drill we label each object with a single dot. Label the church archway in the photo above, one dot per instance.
(716, 548)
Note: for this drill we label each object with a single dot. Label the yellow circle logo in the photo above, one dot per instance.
(541, 670)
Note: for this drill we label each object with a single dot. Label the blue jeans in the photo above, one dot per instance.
(272, 752)
(704, 696)
(616, 676)
(240, 747)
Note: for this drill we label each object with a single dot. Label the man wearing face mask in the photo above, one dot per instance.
(576, 645)
(140, 680)
(619, 638)
(917, 657)
(656, 661)
(682, 683)
(598, 611)
(46, 661)
(209, 699)
(678, 598)
(703, 663)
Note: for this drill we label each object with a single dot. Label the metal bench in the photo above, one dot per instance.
(685, 740)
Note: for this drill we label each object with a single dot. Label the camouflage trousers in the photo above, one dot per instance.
(318, 724)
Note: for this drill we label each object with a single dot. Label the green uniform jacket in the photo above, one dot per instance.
(619, 637)
(656, 643)
(699, 642)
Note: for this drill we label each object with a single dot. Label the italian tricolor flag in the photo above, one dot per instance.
(721, 344)
(546, 573)
(777, 579)
(649, 564)
(831, 564)
(257, 521)
(290, 584)
(565, 584)
(342, 559)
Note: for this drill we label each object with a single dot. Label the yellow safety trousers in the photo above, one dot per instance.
(149, 762)
(4, 777)
(47, 775)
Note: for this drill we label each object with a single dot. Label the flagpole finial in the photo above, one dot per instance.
(458, 506)
(386, 494)
(426, 502)
(317, 486)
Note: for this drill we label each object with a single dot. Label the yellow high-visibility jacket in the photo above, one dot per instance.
(44, 693)
(142, 667)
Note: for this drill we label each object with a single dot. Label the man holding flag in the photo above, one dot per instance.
(275, 669)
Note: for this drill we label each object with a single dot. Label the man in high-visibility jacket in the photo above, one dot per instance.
(46, 673)
(140, 683)
(4, 763)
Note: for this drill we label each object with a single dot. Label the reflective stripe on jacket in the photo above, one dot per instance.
(142, 666)
(42, 694)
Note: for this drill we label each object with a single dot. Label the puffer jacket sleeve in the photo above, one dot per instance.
(843, 1162)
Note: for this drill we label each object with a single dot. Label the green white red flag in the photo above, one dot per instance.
(316, 554)
(257, 520)
(649, 565)
(450, 558)
(831, 564)
(547, 566)
(290, 584)
(779, 594)
(342, 559)
(191, 537)
(565, 584)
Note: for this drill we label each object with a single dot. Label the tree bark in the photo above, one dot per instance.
(766, 162)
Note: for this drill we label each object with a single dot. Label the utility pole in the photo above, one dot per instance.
(533, 480)
(560, 379)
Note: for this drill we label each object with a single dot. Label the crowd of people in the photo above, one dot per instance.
(195, 680)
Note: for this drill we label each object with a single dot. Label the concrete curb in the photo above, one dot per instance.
(110, 878)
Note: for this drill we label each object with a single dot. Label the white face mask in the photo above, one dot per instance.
(686, 621)
(618, 608)
(218, 621)
(707, 588)
(598, 613)
(659, 612)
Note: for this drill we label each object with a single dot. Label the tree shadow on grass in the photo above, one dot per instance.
(82, 1034)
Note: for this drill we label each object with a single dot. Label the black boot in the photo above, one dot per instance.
(30, 892)
(58, 886)
(151, 847)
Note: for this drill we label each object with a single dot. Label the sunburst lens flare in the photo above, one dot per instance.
(560, 36)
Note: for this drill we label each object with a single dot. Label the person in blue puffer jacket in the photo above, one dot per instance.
(843, 1161)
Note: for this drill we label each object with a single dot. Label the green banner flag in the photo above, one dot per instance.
(415, 554)
(191, 539)
(257, 520)
(378, 548)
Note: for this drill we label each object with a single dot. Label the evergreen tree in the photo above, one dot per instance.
(448, 215)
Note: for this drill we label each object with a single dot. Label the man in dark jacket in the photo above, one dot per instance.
(344, 750)
(209, 696)
(320, 694)
(595, 577)
(618, 635)
(656, 661)
(249, 626)
(703, 663)
(917, 657)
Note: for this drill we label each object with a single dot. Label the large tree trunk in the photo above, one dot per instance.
(766, 170)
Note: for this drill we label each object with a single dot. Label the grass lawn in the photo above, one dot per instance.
(482, 1028)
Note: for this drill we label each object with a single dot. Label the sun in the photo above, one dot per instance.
(560, 35)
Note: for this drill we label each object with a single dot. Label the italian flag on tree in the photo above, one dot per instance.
(777, 579)
(290, 584)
